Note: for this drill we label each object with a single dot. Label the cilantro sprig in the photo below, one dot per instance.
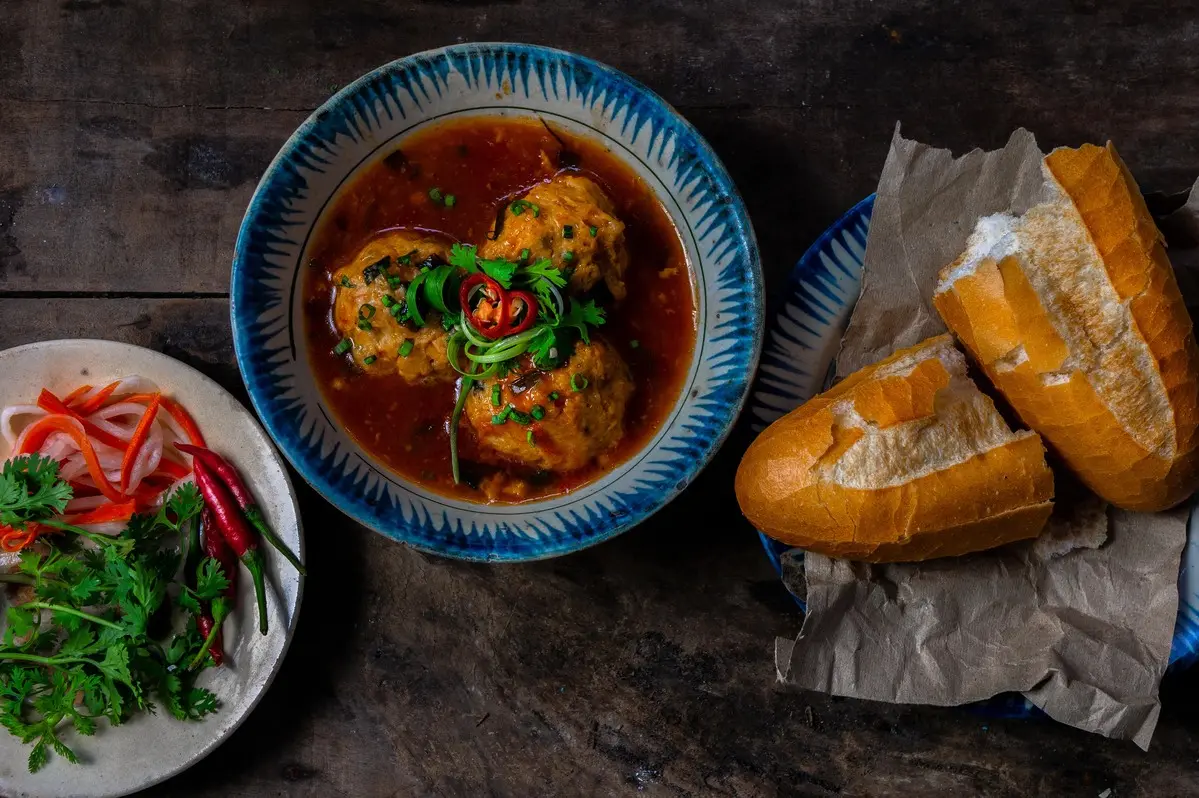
(84, 647)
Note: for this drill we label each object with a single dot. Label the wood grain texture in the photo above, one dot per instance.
(131, 137)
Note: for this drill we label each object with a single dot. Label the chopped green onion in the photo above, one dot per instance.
(524, 419)
(529, 438)
(367, 311)
(389, 301)
(568, 256)
(568, 231)
(406, 259)
(363, 324)
(406, 348)
(594, 231)
(435, 194)
(343, 346)
(467, 382)
(524, 254)
(502, 416)
(345, 282)
(578, 382)
(536, 210)
(397, 310)
(450, 200)
(553, 396)
(496, 399)
(538, 412)
(369, 360)
(413, 297)
(394, 282)
(518, 207)
(634, 343)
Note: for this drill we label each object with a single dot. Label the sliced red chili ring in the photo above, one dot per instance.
(530, 312)
(495, 293)
(508, 322)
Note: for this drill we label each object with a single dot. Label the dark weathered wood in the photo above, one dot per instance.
(131, 137)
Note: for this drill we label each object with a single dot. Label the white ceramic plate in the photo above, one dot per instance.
(152, 748)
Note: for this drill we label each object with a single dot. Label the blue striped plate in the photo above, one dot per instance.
(362, 123)
(800, 346)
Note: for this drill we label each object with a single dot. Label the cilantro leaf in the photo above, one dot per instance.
(462, 256)
(502, 271)
(543, 269)
(30, 490)
(211, 581)
(580, 315)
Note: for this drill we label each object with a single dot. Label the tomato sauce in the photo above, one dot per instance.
(485, 163)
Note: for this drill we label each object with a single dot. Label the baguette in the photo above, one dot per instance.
(904, 460)
(1074, 313)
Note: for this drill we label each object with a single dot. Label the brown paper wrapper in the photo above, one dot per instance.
(1080, 621)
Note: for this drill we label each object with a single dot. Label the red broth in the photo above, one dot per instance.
(485, 163)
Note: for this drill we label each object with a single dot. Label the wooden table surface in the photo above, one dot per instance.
(132, 134)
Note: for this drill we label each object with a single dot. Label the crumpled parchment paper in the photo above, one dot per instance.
(1079, 621)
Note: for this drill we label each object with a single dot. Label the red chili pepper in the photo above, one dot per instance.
(530, 312)
(236, 531)
(204, 527)
(245, 499)
(506, 324)
(216, 548)
(204, 624)
(140, 434)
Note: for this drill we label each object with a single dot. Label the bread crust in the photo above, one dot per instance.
(903, 460)
(1077, 319)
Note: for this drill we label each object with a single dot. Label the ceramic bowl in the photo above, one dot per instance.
(801, 344)
(151, 748)
(363, 122)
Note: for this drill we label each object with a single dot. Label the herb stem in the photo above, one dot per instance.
(17, 579)
(102, 540)
(17, 656)
(45, 605)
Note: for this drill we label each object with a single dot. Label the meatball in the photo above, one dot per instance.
(556, 220)
(559, 420)
(361, 289)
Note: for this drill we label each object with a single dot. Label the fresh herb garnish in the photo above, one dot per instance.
(496, 398)
(364, 324)
(538, 412)
(578, 382)
(406, 348)
(80, 650)
(343, 346)
(369, 360)
(567, 256)
(367, 311)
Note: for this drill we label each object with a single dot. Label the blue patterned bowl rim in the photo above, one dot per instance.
(355, 125)
(814, 307)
